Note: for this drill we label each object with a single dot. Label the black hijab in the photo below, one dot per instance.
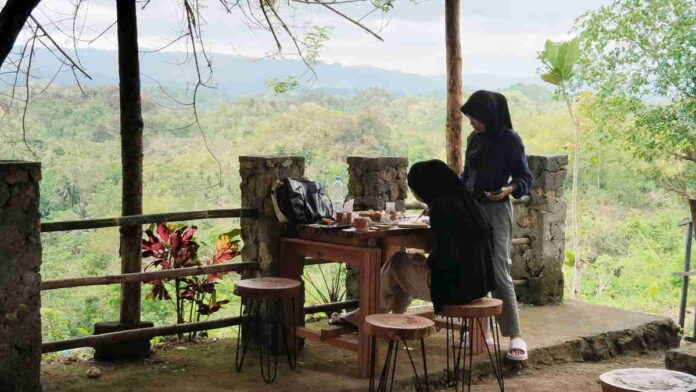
(491, 109)
(431, 179)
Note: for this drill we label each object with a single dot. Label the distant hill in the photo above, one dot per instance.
(237, 75)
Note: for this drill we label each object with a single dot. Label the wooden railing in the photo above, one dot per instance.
(142, 333)
(133, 220)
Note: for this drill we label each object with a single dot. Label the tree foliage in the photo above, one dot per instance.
(639, 58)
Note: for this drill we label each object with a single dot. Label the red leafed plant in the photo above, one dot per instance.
(169, 246)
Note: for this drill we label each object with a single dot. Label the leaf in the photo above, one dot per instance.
(83, 331)
(550, 78)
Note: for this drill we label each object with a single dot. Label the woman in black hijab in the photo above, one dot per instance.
(495, 168)
(460, 257)
(459, 267)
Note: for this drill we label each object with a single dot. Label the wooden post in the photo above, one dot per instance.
(131, 153)
(453, 132)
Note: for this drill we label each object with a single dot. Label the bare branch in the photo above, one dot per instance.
(74, 64)
(270, 25)
(348, 18)
(26, 97)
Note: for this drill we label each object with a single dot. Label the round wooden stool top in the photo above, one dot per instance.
(267, 287)
(398, 326)
(647, 380)
(485, 307)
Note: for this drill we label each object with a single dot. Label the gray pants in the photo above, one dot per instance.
(405, 276)
(500, 217)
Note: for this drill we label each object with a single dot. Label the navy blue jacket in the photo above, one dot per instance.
(506, 165)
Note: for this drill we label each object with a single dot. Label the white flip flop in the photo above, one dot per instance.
(517, 344)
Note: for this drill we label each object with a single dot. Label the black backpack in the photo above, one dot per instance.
(302, 201)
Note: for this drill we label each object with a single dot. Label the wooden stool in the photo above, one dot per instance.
(277, 294)
(473, 318)
(652, 380)
(397, 328)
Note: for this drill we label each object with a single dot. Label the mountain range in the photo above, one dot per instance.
(237, 75)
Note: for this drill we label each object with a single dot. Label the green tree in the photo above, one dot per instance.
(639, 57)
(559, 59)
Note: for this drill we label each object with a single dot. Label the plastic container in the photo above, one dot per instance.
(337, 193)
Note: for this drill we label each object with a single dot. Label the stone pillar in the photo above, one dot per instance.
(374, 181)
(543, 220)
(20, 279)
(261, 236)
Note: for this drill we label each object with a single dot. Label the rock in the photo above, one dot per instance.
(93, 372)
(20, 296)
(543, 221)
(682, 359)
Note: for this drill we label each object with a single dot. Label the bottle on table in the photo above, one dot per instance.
(337, 193)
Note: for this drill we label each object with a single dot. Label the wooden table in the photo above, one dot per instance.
(365, 250)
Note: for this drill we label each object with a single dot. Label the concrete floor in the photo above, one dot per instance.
(555, 334)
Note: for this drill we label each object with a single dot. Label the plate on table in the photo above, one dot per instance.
(329, 227)
(414, 225)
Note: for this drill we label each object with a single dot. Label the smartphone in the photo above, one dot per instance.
(499, 191)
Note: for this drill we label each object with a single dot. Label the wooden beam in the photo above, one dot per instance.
(147, 276)
(521, 241)
(136, 334)
(310, 309)
(453, 55)
(146, 333)
(147, 219)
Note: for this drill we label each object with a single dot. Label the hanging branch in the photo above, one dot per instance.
(26, 97)
(73, 63)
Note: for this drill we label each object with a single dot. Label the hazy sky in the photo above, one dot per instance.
(499, 37)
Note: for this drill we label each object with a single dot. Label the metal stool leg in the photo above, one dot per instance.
(470, 324)
(243, 332)
(288, 333)
(413, 366)
(266, 350)
(425, 366)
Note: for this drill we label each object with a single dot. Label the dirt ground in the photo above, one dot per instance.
(572, 377)
(208, 367)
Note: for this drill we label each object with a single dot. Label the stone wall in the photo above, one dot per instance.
(20, 279)
(262, 236)
(543, 221)
(374, 181)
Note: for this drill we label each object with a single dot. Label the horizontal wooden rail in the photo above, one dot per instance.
(521, 241)
(311, 309)
(689, 273)
(416, 205)
(151, 332)
(135, 334)
(147, 276)
(131, 220)
(520, 282)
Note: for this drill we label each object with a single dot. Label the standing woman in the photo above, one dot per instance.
(496, 167)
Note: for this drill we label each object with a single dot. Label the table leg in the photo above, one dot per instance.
(370, 266)
(291, 267)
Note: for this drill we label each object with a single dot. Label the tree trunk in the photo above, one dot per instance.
(453, 132)
(577, 275)
(12, 18)
(131, 154)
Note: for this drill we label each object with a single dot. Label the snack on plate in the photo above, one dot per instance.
(375, 216)
(328, 221)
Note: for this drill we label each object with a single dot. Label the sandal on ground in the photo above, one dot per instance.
(338, 319)
(517, 344)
